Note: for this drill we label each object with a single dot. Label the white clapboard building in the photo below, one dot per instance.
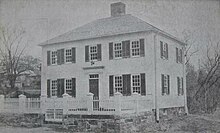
(121, 63)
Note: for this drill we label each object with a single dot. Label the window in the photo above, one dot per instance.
(54, 88)
(136, 84)
(69, 86)
(164, 50)
(165, 84)
(118, 50)
(179, 54)
(68, 55)
(58, 113)
(93, 53)
(135, 48)
(54, 57)
(118, 84)
(180, 85)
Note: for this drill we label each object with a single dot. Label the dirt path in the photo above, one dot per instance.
(7, 129)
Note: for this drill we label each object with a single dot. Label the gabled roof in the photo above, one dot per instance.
(107, 27)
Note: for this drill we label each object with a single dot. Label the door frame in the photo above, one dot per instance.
(95, 76)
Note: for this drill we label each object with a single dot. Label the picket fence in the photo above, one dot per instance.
(55, 108)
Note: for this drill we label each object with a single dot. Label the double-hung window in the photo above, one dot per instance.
(180, 85)
(135, 48)
(54, 88)
(93, 53)
(69, 86)
(179, 55)
(165, 85)
(163, 50)
(136, 84)
(54, 57)
(118, 84)
(118, 50)
(68, 55)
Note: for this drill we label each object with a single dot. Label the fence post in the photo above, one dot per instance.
(90, 102)
(2, 98)
(43, 99)
(136, 99)
(65, 103)
(22, 103)
(117, 102)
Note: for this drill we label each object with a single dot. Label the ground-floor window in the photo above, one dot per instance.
(69, 86)
(54, 88)
(118, 84)
(127, 84)
(136, 84)
(60, 86)
(180, 85)
(165, 84)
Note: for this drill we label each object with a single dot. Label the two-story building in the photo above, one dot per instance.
(120, 53)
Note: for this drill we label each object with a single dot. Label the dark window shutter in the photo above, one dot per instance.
(59, 57)
(126, 49)
(110, 50)
(182, 87)
(126, 85)
(111, 85)
(48, 58)
(161, 49)
(73, 55)
(181, 56)
(166, 51)
(178, 85)
(129, 84)
(60, 87)
(62, 56)
(87, 53)
(162, 84)
(48, 88)
(99, 55)
(74, 87)
(177, 55)
(142, 53)
(168, 82)
(143, 84)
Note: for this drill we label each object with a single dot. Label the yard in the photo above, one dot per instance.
(181, 124)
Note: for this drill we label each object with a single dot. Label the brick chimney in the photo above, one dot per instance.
(117, 9)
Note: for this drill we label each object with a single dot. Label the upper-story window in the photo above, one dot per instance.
(60, 56)
(135, 48)
(127, 49)
(54, 57)
(118, 84)
(179, 55)
(136, 84)
(93, 53)
(165, 85)
(118, 50)
(68, 55)
(163, 50)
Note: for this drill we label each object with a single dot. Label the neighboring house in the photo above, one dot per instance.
(121, 53)
(28, 83)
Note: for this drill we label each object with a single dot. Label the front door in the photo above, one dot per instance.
(94, 88)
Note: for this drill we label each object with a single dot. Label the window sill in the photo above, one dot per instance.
(163, 58)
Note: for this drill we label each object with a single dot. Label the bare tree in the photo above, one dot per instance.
(12, 46)
(209, 78)
(188, 38)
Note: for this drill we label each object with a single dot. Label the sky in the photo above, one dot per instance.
(45, 19)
